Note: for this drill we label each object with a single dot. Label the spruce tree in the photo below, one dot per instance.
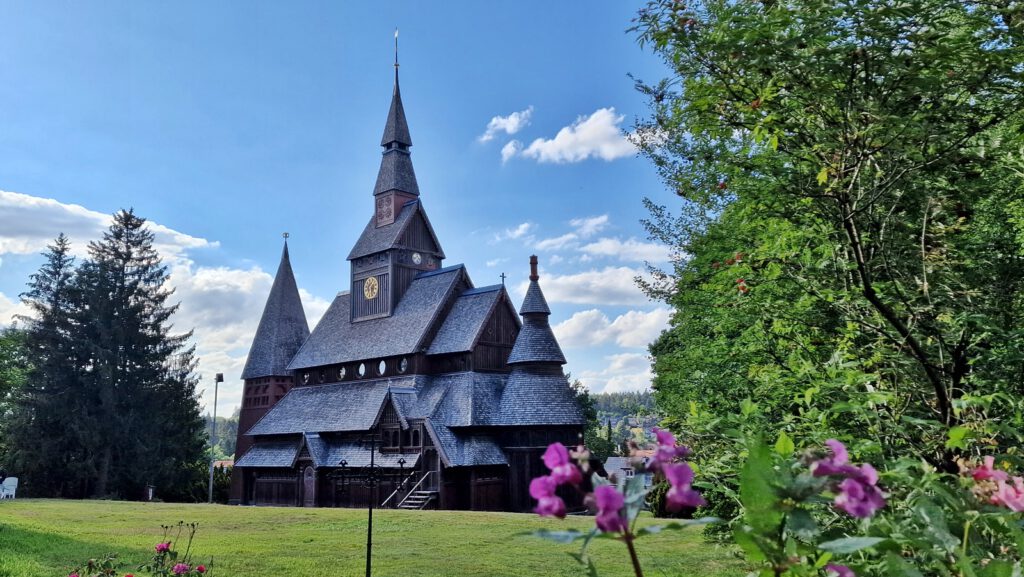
(140, 375)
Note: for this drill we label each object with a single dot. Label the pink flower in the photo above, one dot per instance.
(610, 518)
(563, 470)
(681, 494)
(73, 574)
(548, 504)
(836, 464)
(180, 569)
(163, 547)
(987, 471)
(840, 570)
(858, 495)
(667, 450)
(1011, 497)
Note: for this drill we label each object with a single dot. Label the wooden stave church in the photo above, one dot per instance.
(456, 396)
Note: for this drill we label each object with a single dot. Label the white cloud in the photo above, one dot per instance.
(631, 250)
(510, 149)
(592, 327)
(29, 223)
(11, 308)
(495, 262)
(510, 124)
(624, 372)
(609, 286)
(556, 243)
(517, 232)
(596, 136)
(555, 259)
(589, 226)
(221, 305)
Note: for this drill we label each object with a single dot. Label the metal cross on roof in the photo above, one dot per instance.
(503, 277)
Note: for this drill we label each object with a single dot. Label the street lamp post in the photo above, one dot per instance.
(213, 438)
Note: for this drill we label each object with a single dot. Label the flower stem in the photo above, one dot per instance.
(628, 538)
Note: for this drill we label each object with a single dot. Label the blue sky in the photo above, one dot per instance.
(228, 123)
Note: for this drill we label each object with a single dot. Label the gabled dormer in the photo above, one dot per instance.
(398, 243)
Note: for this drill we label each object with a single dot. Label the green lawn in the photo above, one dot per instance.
(46, 538)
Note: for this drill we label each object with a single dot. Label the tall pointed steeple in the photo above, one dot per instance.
(396, 173)
(282, 329)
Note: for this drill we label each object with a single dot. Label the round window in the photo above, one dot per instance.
(341, 373)
(403, 365)
(382, 367)
(362, 369)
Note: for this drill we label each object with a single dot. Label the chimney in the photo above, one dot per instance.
(533, 268)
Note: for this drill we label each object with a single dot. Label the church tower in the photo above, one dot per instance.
(282, 330)
(398, 243)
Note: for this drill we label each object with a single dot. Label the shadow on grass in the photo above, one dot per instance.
(28, 553)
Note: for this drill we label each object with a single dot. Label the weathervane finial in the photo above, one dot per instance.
(396, 49)
(285, 235)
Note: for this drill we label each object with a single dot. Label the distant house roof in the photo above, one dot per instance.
(338, 340)
(465, 322)
(282, 328)
(375, 238)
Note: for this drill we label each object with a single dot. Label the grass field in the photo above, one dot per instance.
(46, 538)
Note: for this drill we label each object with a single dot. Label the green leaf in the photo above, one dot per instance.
(568, 536)
(998, 568)
(676, 525)
(897, 566)
(823, 175)
(848, 545)
(784, 445)
(801, 524)
(757, 492)
(957, 437)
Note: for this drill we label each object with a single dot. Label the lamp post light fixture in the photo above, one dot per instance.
(217, 380)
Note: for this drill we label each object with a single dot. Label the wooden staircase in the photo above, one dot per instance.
(417, 500)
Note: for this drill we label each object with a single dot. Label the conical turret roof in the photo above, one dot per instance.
(282, 329)
(536, 342)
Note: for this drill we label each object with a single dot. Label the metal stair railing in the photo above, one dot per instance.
(384, 504)
(416, 487)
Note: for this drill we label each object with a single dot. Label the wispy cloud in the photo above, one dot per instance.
(630, 250)
(598, 135)
(510, 150)
(607, 286)
(510, 124)
(589, 226)
(520, 231)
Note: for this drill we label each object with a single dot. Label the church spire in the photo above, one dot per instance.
(283, 327)
(396, 172)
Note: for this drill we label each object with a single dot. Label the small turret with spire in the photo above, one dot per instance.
(536, 343)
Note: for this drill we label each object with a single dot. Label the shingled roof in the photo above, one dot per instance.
(536, 342)
(282, 328)
(376, 239)
(336, 339)
(397, 128)
(465, 322)
(538, 396)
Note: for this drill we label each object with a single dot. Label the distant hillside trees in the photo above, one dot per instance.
(108, 404)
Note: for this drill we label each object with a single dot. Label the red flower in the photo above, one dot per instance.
(740, 281)
(730, 261)
(721, 185)
(201, 568)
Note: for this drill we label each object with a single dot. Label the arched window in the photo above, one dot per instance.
(395, 435)
(381, 367)
(415, 438)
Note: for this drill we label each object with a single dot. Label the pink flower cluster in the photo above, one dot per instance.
(859, 494)
(563, 471)
(180, 569)
(679, 475)
(1005, 494)
(163, 547)
(839, 570)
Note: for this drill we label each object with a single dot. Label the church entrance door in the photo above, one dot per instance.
(308, 488)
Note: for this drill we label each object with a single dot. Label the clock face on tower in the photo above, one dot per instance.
(370, 288)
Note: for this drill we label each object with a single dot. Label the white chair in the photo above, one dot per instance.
(8, 488)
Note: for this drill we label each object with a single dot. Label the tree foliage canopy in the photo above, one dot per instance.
(109, 403)
(851, 184)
